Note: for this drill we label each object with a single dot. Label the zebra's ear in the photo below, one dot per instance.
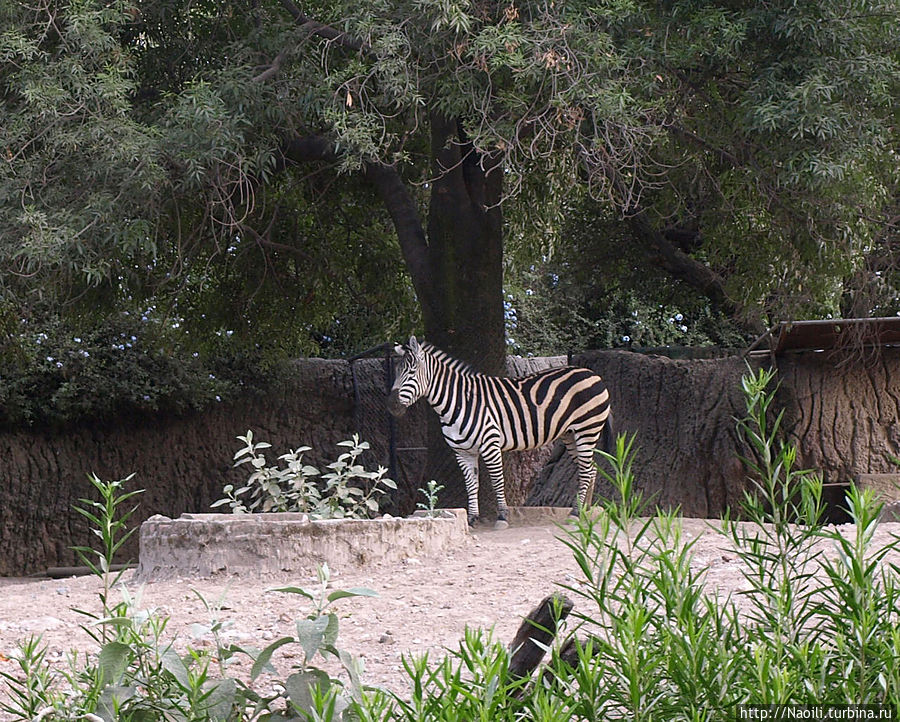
(413, 344)
(399, 350)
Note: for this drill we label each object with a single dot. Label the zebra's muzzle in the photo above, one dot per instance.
(394, 405)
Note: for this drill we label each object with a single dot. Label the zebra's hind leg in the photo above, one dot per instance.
(468, 463)
(493, 460)
(582, 449)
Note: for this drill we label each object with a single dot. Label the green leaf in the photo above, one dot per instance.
(112, 699)
(299, 687)
(220, 698)
(262, 661)
(353, 592)
(175, 666)
(293, 590)
(113, 661)
(331, 632)
(311, 634)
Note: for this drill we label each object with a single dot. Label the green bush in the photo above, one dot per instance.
(346, 491)
(124, 363)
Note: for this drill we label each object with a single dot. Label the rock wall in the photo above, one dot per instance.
(683, 415)
(843, 414)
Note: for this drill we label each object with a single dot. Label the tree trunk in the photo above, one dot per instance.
(456, 268)
(464, 312)
(464, 315)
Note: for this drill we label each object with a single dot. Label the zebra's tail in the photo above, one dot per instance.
(608, 436)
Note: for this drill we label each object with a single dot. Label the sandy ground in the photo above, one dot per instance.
(423, 604)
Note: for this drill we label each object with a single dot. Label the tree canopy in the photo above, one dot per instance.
(278, 165)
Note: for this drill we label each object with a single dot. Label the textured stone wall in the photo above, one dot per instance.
(843, 413)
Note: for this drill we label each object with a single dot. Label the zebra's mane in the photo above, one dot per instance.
(447, 360)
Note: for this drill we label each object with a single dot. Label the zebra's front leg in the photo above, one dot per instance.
(468, 463)
(493, 460)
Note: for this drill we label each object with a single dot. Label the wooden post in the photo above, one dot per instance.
(536, 633)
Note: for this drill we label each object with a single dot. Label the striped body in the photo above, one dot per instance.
(485, 415)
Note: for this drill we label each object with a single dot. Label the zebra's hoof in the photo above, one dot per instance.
(501, 524)
(473, 521)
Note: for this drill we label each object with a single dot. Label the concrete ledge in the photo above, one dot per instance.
(538, 515)
(202, 545)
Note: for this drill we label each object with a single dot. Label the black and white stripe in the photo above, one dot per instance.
(486, 415)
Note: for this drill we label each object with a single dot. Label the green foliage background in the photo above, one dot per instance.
(144, 166)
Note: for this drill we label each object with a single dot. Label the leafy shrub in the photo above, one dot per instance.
(124, 363)
(348, 490)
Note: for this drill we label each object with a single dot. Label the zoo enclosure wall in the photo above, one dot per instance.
(844, 415)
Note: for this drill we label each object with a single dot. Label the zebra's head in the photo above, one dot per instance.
(412, 379)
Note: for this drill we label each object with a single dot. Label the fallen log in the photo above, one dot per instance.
(62, 572)
(536, 633)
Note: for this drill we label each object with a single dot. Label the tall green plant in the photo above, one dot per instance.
(657, 647)
(109, 523)
(784, 507)
(808, 627)
(861, 609)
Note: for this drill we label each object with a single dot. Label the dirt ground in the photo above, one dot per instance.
(423, 604)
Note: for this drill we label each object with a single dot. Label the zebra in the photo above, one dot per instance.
(485, 415)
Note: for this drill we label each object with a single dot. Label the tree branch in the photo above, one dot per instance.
(666, 255)
(313, 27)
(400, 205)
(323, 31)
(272, 70)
